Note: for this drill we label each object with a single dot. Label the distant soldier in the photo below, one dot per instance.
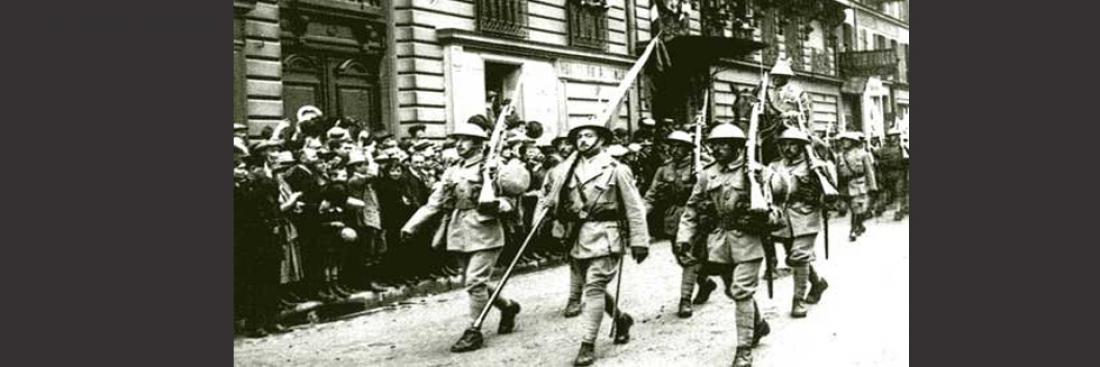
(802, 207)
(669, 192)
(474, 231)
(893, 161)
(595, 197)
(732, 230)
(856, 171)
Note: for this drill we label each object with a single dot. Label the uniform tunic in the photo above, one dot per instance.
(856, 169)
(594, 203)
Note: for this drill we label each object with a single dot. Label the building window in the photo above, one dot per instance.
(502, 17)
(863, 40)
(848, 37)
(880, 42)
(339, 85)
(588, 23)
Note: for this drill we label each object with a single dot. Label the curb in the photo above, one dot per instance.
(367, 302)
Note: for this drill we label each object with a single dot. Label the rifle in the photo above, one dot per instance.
(488, 196)
(757, 201)
(823, 179)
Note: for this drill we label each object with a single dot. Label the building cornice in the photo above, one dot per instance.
(540, 50)
(873, 11)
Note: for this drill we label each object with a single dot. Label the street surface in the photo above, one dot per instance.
(862, 320)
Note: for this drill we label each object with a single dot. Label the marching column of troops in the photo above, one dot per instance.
(585, 188)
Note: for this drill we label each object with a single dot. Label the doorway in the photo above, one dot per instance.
(500, 85)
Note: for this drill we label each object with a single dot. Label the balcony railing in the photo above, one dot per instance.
(507, 18)
(817, 61)
(587, 23)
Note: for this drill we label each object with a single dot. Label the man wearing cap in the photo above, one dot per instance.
(595, 197)
(474, 229)
(891, 158)
(719, 210)
(856, 171)
(802, 208)
(668, 193)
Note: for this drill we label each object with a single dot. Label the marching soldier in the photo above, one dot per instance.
(856, 170)
(595, 197)
(473, 231)
(891, 158)
(732, 230)
(802, 208)
(668, 193)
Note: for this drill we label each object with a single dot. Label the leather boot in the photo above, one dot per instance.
(761, 328)
(818, 285)
(508, 318)
(685, 308)
(586, 355)
(705, 288)
(743, 358)
(470, 340)
(572, 309)
(622, 328)
(801, 280)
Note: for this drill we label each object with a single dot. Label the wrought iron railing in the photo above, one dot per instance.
(587, 23)
(506, 18)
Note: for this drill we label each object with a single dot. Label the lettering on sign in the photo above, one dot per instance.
(590, 72)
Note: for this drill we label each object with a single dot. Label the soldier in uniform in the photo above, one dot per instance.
(891, 158)
(474, 230)
(670, 190)
(595, 197)
(719, 210)
(802, 208)
(856, 171)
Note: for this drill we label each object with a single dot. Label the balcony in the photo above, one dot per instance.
(505, 18)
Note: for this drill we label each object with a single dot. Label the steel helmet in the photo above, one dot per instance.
(348, 234)
(680, 136)
(726, 131)
(782, 67)
(591, 123)
(851, 135)
(470, 130)
(794, 134)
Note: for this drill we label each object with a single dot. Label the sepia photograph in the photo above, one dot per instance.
(571, 183)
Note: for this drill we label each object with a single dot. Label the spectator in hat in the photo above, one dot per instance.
(370, 247)
(291, 270)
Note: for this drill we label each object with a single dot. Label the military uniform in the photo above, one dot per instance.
(719, 210)
(667, 194)
(474, 232)
(603, 212)
(894, 163)
(802, 209)
(856, 171)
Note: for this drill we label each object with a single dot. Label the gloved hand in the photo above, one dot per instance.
(639, 253)
(405, 235)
